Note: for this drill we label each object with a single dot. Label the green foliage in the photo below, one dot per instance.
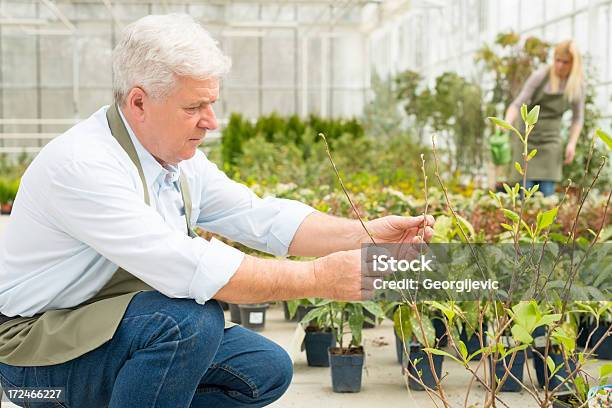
(510, 62)
(412, 327)
(453, 108)
(527, 317)
(8, 190)
(290, 133)
(382, 115)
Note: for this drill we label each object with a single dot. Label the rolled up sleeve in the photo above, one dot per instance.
(216, 267)
(232, 210)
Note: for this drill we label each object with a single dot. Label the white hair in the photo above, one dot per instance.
(157, 49)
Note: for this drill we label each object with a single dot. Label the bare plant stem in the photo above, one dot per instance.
(344, 188)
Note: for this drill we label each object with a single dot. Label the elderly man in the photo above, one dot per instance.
(106, 292)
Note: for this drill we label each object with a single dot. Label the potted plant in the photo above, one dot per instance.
(416, 332)
(346, 361)
(320, 335)
(295, 310)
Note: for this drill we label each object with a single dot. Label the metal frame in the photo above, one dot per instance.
(392, 17)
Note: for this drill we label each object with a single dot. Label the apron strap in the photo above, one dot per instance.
(120, 133)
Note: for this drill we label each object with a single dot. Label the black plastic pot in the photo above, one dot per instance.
(604, 351)
(473, 343)
(234, 313)
(510, 385)
(317, 343)
(540, 365)
(422, 369)
(346, 370)
(253, 316)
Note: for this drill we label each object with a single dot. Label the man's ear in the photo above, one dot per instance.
(135, 103)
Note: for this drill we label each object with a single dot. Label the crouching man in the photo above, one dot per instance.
(106, 292)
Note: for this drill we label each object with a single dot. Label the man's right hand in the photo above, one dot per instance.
(339, 276)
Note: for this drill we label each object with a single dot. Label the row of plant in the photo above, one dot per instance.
(273, 128)
(466, 333)
(501, 330)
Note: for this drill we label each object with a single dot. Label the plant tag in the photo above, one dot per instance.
(256, 317)
(295, 347)
(540, 341)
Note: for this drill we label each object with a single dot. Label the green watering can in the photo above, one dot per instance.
(501, 152)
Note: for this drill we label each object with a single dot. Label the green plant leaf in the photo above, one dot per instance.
(374, 308)
(605, 137)
(503, 124)
(428, 329)
(521, 334)
(355, 321)
(401, 322)
(532, 116)
(524, 112)
(515, 349)
(531, 154)
(462, 349)
(547, 320)
(526, 315)
(605, 370)
(511, 215)
(500, 122)
(546, 218)
(442, 353)
(518, 168)
(550, 363)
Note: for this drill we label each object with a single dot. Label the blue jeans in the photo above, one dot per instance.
(547, 187)
(167, 353)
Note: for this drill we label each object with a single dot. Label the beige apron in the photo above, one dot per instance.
(57, 336)
(546, 137)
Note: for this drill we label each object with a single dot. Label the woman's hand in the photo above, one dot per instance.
(570, 152)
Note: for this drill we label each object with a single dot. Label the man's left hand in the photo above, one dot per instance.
(400, 230)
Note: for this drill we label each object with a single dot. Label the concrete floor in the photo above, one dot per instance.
(383, 384)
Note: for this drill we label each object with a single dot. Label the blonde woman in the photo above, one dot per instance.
(556, 88)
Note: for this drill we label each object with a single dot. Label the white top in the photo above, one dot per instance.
(80, 213)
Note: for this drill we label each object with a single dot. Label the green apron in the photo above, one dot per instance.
(57, 336)
(546, 137)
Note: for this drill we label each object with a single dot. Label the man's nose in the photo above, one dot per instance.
(209, 119)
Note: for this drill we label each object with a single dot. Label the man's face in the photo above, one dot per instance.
(175, 126)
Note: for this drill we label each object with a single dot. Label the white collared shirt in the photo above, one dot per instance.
(80, 213)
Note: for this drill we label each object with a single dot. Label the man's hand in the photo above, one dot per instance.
(341, 276)
(400, 230)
